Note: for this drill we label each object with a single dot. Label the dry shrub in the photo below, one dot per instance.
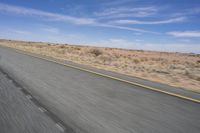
(62, 46)
(37, 46)
(59, 51)
(139, 51)
(176, 69)
(192, 75)
(77, 48)
(105, 58)
(161, 71)
(136, 61)
(116, 55)
(96, 52)
(144, 59)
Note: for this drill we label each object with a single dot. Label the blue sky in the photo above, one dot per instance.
(137, 24)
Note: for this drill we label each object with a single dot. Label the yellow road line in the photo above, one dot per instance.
(114, 78)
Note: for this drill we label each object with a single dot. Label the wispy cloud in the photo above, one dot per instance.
(167, 21)
(126, 28)
(187, 12)
(116, 43)
(53, 16)
(185, 40)
(60, 17)
(194, 11)
(51, 30)
(184, 33)
(116, 2)
(22, 32)
(127, 12)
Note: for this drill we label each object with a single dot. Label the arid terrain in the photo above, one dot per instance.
(175, 69)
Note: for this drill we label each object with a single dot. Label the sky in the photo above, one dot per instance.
(161, 25)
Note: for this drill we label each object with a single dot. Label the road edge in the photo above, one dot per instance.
(107, 76)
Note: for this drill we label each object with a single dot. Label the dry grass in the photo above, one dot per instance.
(176, 69)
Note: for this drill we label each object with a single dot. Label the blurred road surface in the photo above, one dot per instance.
(93, 104)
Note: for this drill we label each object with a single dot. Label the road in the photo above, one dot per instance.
(18, 114)
(94, 104)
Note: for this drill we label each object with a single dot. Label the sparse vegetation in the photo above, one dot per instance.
(176, 69)
(136, 61)
(62, 46)
(95, 51)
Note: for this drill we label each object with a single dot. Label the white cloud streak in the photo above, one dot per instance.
(184, 33)
(22, 32)
(60, 17)
(126, 28)
(51, 30)
(34, 12)
(116, 2)
(187, 12)
(172, 20)
(127, 12)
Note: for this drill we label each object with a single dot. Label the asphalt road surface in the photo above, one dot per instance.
(93, 104)
(18, 114)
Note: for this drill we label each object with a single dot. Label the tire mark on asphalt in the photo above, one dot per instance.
(58, 123)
